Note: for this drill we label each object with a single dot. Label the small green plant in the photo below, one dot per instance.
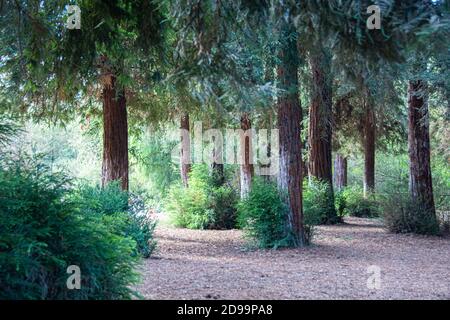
(340, 203)
(404, 215)
(318, 203)
(353, 203)
(263, 216)
(203, 205)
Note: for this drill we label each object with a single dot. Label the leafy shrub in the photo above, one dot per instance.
(340, 203)
(404, 215)
(44, 229)
(318, 203)
(356, 205)
(263, 216)
(111, 200)
(203, 205)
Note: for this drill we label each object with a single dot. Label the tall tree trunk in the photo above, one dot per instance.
(369, 147)
(115, 134)
(320, 114)
(420, 182)
(185, 159)
(289, 117)
(320, 127)
(340, 171)
(247, 169)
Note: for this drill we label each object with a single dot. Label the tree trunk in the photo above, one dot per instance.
(320, 128)
(289, 117)
(185, 159)
(247, 169)
(340, 171)
(115, 134)
(320, 114)
(369, 148)
(420, 182)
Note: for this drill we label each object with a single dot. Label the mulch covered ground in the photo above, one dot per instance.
(193, 264)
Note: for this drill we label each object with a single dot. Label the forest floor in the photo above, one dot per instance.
(194, 264)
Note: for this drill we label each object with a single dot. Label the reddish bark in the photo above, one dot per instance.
(420, 181)
(115, 134)
(320, 128)
(320, 117)
(289, 117)
(340, 172)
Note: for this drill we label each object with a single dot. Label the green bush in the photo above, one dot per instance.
(111, 200)
(203, 205)
(352, 203)
(44, 229)
(340, 203)
(404, 215)
(263, 216)
(318, 203)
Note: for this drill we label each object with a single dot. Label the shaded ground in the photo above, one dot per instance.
(192, 264)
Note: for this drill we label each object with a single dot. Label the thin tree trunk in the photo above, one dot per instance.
(247, 169)
(320, 128)
(420, 182)
(185, 159)
(369, 148)
(289, 117)
(340, 171)
(115, 134)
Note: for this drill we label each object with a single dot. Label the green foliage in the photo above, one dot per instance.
(203, 205)
(340, 203)
(353, 203)
(263, 216)
(112, 201)
(44, 228)
(318, 203)
(155, 170)
(8, 129)
(404, 215)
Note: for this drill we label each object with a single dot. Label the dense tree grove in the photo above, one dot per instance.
(271, 116)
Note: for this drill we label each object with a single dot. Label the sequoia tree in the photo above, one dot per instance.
(59, 72)
(420, 182)
(320, 125)
(340, 171)
(289, 117)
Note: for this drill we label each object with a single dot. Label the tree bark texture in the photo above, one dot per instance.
(340, 171)
(289, 117)
(420, 182)
(115, 134)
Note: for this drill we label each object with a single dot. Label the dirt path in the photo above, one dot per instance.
(193, 264)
